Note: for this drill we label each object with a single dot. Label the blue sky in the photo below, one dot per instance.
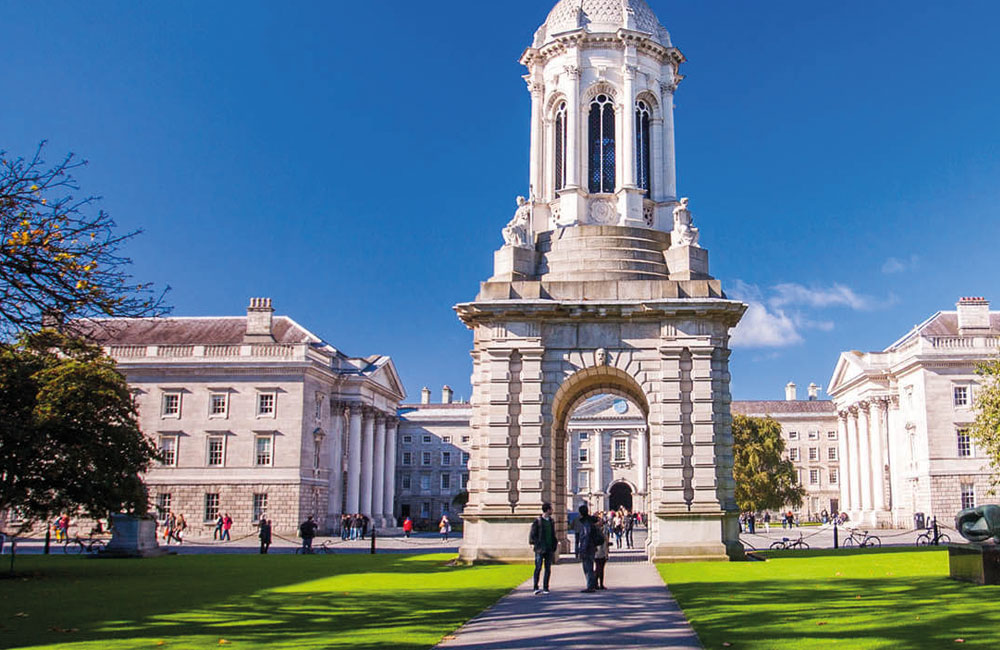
(356, 161)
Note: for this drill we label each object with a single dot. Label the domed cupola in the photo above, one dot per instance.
(597, 16)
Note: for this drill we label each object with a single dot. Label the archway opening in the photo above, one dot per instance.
(620, 496)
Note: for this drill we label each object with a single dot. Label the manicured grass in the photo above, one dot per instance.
(245, 601)
(898, 598)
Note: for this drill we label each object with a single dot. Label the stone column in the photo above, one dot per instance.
(628, 127)
(854, 472)
(597, 460)
(573, 112)
(878, 463)
(668, 180)
(389, 496)
(378, 475)
(336, 489)
(864, 458)
(656, 192)
(846, 496)
(536, 87)
(669, 470)
(643, 439)
(703, 430)
(367, 459)
(353, 412)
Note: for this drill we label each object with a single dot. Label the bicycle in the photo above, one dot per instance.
(326, 548)
(866, 541)
(786, 545)
(927, 537)
(76, 545)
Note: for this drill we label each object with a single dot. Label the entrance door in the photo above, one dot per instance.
(620, 495)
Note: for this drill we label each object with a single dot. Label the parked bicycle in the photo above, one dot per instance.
(786, 544)
(76, 545)
(927, 537)
(325, 548)
(863, 540)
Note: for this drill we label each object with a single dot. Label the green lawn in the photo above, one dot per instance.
(897, 598)
(245, 601)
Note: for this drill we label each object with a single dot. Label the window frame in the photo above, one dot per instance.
(794, 455)
(814, 454)
(426, 459)
(211, 515)
(969, 494)
(258, 506)
(626, 448)
(602, 144)
(405, 481)
(425, 439)
(164, 397)
(425, 482)
(407, 439)
(163, 506)
(445, 478)
(406, 460)
(466, 457)
(559, 147)
(270, 437)
(793, 435)
(643, 146)
(813, 476)
(209, 439)
(833, 454)
(175, 438)
(261, 395)
(583, 455)
(212, 415)
(833, 476)
(963, 435)
(446, 458)
(965, 400)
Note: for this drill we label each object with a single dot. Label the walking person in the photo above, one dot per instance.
(180, 525)
(168, 528)
(407, 527)
(542, 538)
(767, 522)
(629, 526)
(444, 526)
(307, 531)
(600, 561)
(227, 524)
(588, 538)
(265, 535)
(345, 526)
(217, 533)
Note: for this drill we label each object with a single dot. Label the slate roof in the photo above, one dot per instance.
(222, 330)
(775, 407)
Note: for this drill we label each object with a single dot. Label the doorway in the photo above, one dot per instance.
(620, 495)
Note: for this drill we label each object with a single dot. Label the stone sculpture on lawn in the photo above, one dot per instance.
(979, 524)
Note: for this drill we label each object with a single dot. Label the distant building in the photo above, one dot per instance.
(257, 415)
(904, 415)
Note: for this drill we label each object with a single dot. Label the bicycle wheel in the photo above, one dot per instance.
(849, 542)
(873, 542)
(74, 547)
(923, 540)
(802, 545)
(777, 546)
(944, 539)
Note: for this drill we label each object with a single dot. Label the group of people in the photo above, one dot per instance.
(354, 526)
(618, 523)
(749, 520)
(173, 528)
(222, 527)
(60, 528)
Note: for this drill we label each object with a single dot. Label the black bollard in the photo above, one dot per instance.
(836, 542)
(48, 539)
(934, 525)
(373, 540)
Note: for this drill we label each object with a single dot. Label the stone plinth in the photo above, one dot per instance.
(976, 563)
(687, 263)
(512, 263)
(132, 537)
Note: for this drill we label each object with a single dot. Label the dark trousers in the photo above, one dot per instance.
(264, 546)
(599, 570)
(543, 558)
(587, 560)
(628, 538)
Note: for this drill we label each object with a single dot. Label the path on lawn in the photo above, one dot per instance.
(637, 610)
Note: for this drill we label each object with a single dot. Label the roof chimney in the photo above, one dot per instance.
(446, 395)
(425, 395)
(260, 316)
(813, 392)
(973, 316)
(790, 395)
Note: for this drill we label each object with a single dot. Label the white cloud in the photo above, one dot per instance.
(761, 328)
(837, 295)
(896, 265)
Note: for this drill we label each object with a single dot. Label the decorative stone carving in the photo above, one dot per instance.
(648, 214)
(516, 233)
(684, 233)
(603, 213)
(601, 357)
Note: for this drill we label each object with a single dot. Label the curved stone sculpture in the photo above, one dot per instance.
(979, 524)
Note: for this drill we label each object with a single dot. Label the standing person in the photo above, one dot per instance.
(752, 523)
(265, 535)
(168, 528)
(307, 530)
(365, 521)
(64, 527)
(543, 539)
(407, 527)
(345, 526)
(227, 523)
(619, 529)
(588, 538)
(629, 527)
(767, 521)
(444, 526)
(217, 533)
(179, 527)
(600, 561)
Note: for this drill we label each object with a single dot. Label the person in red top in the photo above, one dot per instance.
(227, 523)
(407, 527)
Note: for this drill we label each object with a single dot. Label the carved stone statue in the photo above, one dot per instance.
(516, 233)
(684, 234)
(601, 357)
(979, 524)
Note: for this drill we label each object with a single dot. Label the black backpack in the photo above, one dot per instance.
(590, 536)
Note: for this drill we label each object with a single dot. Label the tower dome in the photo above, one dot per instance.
(601, 16)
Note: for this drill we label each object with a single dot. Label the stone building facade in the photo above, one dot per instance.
(256, 415)
(904, 414)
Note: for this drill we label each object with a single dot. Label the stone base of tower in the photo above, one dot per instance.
(694, 537)
(496, 539)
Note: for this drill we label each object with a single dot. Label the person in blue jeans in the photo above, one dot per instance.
(543, 539)
(588, 538)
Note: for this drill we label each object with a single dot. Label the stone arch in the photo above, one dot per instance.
(654, 104)
(599, 88)
(553, 103)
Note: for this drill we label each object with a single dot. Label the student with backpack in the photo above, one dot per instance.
(542, 538)
(588, 538)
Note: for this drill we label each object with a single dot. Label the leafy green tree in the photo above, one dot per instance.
(986, 428)
(764, 479)
(69, 433)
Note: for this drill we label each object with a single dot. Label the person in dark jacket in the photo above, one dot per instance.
(265, 535)
(307, 530)
(543, 539)
(588, 538)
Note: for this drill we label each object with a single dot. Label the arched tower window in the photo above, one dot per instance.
(642, 146)
(560, 147)
(602, 144)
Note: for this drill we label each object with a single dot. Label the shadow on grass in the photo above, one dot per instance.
(266, 601)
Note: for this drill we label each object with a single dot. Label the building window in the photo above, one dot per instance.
(171, 405)
(964, 443)
(621, 450)
(163, 506)
(446, 481)
(259, 506)
(405, 481)
(426, 439)
(211, 506)
(968, 495)
(317, 452)
(407, 458)
(216, 451)
(584, 436)
(446, 458)
(466, 438)
(831, 435)
(583, 481)
(425, 509)
(218, 405)
(814, 477)
(465, 459)
(446, 439)
(407, 440)
(814, 435)
(425, 458)
(465, 480)
(425, 482)
(584, 455)
(831, 453)
(560, 147)
(602, 145)
(961, 396)
(266, 405)
(814, 454)
(793, 435)
(263, 450)
(793, 454)
(168, 449)
(834, 476)
(643, 146)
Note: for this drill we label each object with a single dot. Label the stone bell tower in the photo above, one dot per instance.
(601, 286)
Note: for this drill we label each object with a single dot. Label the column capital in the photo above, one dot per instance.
(630, 70)
(352, 408)
(572, 71)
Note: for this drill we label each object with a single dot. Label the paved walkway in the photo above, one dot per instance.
(636, 611)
